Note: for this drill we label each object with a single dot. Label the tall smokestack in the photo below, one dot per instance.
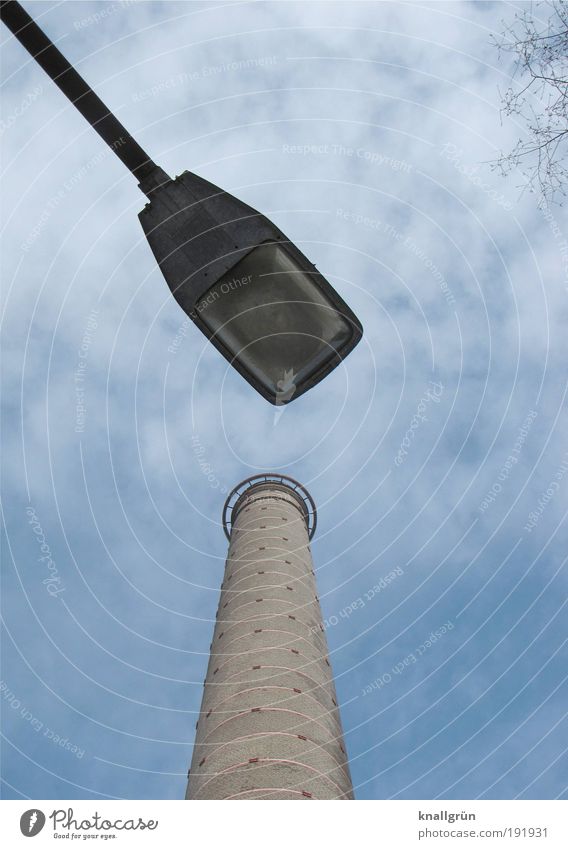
(269, 725)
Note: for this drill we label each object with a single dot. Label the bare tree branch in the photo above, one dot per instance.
(538, 97)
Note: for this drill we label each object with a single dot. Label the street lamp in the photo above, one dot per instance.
(248, 288)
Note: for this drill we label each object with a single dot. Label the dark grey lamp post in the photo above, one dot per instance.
(250, 290)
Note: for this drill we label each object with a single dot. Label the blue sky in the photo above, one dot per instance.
(365, 132)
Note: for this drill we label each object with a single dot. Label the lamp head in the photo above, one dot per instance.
(250, 290)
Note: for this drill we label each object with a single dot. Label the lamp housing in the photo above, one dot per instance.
(247, 287)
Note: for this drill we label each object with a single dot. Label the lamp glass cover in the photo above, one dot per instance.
(275, 320)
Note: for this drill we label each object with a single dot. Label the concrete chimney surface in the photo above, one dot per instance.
(269, 725)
